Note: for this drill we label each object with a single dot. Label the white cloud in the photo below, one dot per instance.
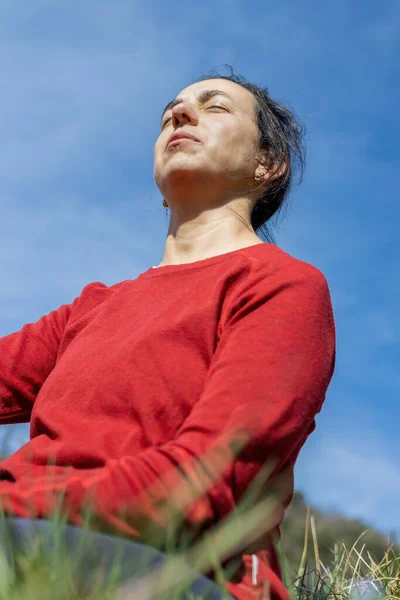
(81, 98)
(353, 475)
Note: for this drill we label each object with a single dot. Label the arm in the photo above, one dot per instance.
(268, 377)
(27, 358)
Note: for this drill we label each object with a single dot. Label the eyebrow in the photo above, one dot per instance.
(202, 97)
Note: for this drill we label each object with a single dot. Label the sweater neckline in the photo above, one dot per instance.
(204, 262)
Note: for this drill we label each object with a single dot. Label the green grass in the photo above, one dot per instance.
(32, 576)
(35, 575)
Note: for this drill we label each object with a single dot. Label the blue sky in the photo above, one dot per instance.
(82, 90)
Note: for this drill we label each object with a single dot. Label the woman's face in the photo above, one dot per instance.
(225, 127)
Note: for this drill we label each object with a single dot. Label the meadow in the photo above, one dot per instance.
(351, 573)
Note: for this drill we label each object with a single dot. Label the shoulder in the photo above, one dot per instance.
(95, 293)
(271, 263)
(272, 281)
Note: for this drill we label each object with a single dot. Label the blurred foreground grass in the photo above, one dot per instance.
(351, 574)
(31, 576)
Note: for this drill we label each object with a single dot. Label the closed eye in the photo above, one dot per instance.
(214, 106)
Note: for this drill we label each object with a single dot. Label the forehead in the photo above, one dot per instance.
(239, 94)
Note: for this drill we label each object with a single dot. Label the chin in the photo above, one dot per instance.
(184, 173)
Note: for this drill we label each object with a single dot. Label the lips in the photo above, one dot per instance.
(182, 135)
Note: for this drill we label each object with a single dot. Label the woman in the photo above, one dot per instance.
(197, 373)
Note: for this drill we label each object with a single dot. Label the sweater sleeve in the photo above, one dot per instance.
(27, 358)
(267, 380)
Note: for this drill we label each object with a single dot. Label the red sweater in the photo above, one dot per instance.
(127, 387)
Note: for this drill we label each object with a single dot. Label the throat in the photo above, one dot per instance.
(175, 259)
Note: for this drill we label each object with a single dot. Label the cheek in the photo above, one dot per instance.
(162, 139)
(156, 162)
(231, 146)
(231, 139)
(158, 150)
(157, 147)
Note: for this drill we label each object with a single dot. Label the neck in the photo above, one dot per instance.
(199, 239)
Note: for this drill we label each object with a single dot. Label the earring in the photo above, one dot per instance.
(165, 203)
(260, 176)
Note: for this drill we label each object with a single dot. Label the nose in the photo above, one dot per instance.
(182, 113)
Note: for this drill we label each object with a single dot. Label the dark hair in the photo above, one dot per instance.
(281, 134)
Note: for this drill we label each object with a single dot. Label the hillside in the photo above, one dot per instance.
(330, 528)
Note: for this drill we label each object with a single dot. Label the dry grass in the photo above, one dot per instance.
(32, 576)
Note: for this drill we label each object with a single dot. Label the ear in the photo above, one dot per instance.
(278, 170)
(271, 171)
